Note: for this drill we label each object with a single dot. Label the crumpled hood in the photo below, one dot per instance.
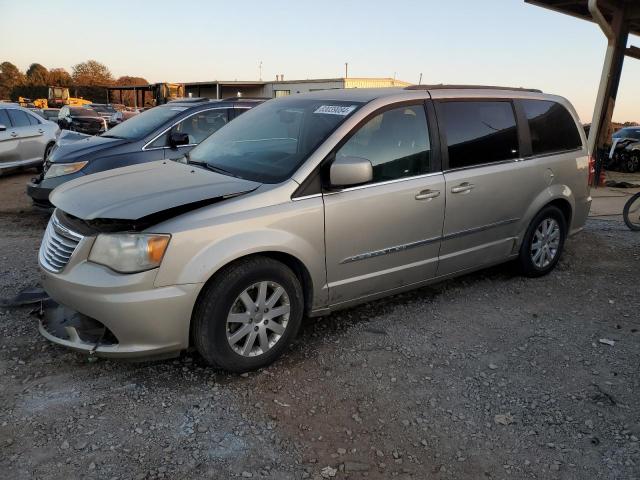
(70, 145)
(133, 192)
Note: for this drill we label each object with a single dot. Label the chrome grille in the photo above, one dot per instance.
(58, 245)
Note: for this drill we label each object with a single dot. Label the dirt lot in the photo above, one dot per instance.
(486, 376)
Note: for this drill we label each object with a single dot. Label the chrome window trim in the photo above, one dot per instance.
(144, 148)
(386, 182)
(514, 160)
(305, 197)
(489, 164)
(550, 154)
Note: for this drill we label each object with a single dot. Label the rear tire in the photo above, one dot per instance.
(248, 314)
(543, 242)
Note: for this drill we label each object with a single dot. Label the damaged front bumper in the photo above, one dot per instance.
(122, 316)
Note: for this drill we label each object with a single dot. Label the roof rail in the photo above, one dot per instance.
(189, 100)
(442, 86)
(239, 99)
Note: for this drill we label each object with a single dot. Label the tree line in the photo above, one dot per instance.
(86, 77)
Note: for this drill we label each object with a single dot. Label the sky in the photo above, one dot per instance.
(492, 42)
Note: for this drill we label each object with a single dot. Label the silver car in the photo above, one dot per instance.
(305, 205)
(26, 139)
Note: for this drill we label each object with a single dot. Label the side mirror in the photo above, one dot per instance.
(176, 139)
(3, 127)
(349, 171)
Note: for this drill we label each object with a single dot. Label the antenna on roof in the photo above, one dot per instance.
(420, 80)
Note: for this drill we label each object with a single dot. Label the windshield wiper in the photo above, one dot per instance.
(208, 166)
(220, 170)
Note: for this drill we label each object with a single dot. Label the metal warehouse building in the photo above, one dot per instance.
(278, 88)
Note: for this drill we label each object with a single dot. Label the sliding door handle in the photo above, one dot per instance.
(427, 194)
(465, 187)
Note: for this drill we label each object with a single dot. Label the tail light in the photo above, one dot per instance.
(592, 169)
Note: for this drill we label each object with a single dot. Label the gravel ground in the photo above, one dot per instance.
(487, 376)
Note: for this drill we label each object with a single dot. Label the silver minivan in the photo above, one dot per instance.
(305, 205)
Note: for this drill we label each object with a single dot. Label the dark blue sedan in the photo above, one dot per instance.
(164, 132)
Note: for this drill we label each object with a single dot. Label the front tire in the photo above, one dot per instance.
(633, 162)
(248, 314)
(631, 213)
(47, 152)
(543, 242)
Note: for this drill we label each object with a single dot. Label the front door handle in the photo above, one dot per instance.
(427, 194)
(465, 187)
(40, 130)
(14, 134)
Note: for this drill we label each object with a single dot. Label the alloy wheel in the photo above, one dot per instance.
(545, 244)
(258, 318)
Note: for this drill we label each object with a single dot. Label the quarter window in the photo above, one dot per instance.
(33, 120)
(479, 132)
(18, 118)
(396, 142)
(551, 126)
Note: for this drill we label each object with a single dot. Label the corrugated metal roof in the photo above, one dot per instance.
(580, 9)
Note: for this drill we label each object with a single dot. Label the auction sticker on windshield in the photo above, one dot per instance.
(335, 109)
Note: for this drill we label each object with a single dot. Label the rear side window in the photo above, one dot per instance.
(396, 142)
(19, 118)
(479, 132)
(4, 118)
(552, 127)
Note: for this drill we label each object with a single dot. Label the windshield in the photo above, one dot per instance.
(144, 123)
(269, 142)
(628, 133)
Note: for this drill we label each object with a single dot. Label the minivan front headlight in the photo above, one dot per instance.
(59, 169)
(129, 252)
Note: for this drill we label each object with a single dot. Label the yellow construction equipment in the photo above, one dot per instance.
(59, 96)
(37, 103)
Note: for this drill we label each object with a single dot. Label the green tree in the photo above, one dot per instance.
(59, 77)
(91, 73)
(10, 77)
(37, 75)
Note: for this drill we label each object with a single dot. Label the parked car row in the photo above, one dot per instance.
(303, 205)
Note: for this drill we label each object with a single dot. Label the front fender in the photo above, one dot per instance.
(196, 254)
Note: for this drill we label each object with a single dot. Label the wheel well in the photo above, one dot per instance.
(298, 268)
(565, 207)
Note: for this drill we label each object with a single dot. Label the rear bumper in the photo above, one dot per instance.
(580, 214)
(142, 321)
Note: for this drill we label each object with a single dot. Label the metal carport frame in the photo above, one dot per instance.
(617, 19)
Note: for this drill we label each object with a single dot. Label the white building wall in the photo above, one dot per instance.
(301, 86)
